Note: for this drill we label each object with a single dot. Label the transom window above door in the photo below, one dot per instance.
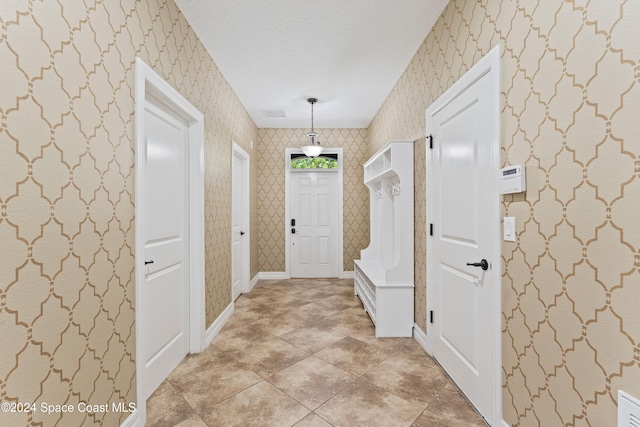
(326, 161)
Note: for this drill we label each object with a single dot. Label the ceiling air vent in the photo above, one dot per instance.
(628, 410)
(274, 113)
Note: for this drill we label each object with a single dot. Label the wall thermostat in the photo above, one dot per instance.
(512, 180)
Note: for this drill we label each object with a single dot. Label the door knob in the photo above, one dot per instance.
(148, 262)
(242, 233)
(482, 264)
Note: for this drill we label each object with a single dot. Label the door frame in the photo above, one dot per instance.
(149, 85)
(490, 63)
(237, 150)
(287, 214)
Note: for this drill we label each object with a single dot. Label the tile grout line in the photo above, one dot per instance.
(280, 302)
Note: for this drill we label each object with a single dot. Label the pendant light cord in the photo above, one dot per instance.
(313, 149)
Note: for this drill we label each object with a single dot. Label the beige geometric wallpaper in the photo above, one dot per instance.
(571, 103)
(571, 113)
(420, 232)
(271, 194)
(67, 320)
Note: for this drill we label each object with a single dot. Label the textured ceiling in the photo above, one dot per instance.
(347, 53)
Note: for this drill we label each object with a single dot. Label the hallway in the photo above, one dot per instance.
(304, 353)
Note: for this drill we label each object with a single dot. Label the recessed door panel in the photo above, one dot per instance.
(304, 250)
(303, 218)
(323, 250)
(165, 170)
(459, 321)
(459, 171)
(161, 310)
(324, 210)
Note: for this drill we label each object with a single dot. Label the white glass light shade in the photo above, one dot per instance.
(311, 150)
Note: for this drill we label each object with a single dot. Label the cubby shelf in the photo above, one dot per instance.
(384, 274)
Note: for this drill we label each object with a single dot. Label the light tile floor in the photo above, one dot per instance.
(303, 353)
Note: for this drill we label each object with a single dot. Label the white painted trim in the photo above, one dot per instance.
(347, 275)
(133, 420)
(253, 282)
(489, 63)
(287, 215)
(246, 222)
(420, 337)
(493, 58)
(273, 275)
(503, 423)
(218, 324)
(150, 84)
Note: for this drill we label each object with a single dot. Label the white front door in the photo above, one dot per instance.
(237, 226)
(314, 218)
(165, 291)
(463, 205)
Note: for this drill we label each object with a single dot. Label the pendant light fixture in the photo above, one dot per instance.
(313, 149)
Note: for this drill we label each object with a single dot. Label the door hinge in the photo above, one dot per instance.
(430, 138)
(431, 316)
(431, 229)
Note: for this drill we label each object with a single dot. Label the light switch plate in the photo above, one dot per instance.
(509, 229)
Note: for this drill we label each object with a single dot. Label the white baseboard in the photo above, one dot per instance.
(272, 275)
(420, 336)
(217, 325)
(132, 420)
(253, 282)
(281, 275)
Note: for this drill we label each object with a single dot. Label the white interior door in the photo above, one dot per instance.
(314, 199)
(463, 204)
(237, 226)
(165, 290)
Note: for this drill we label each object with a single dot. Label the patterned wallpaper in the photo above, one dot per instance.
(571, 283)
(571, 97)
(253, 207)
(66, 193)
(420, 232)
(271, 148)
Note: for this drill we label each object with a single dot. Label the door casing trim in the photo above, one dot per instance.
(148, 84)
(489, 63)
(237, 150)
(287, 215)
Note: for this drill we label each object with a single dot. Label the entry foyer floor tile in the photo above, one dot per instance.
(303, 353)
